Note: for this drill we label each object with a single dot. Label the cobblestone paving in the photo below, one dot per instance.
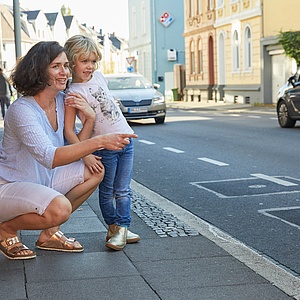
(162, 222)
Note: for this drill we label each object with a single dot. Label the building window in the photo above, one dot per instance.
(210, 5)
(248, 48)
(191, 8)
(192, 58)
(134, 31)
(143, 14)
(235, 51)
(199, 7)
(200, 58)
(220, 3)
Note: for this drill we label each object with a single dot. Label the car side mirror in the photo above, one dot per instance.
(156, 86)
(291, 80)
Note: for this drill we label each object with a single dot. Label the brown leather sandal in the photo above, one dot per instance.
(11, 248)
(59, 242)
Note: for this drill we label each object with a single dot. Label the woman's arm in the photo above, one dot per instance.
(67, 154)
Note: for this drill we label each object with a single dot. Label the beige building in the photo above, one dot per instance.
(232, 50)
(238, 30)
(200, 50)
(277, 67)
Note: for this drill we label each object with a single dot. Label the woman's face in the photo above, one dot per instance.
(58, 73)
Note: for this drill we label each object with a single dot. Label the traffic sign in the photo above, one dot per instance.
(130, 59)
(130, 69)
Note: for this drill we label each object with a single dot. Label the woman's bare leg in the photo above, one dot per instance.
(57, 212)
(76, 197)
(82, 191)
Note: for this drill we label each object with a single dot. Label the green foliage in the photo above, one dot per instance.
(65, 11)
(290, 41)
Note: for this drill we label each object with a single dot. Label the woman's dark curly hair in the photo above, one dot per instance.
(30, 75)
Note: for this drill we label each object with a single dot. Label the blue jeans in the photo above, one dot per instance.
(114, 190)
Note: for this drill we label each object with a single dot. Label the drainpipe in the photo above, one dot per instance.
(153, 42)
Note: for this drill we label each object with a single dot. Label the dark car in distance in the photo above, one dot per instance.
(137, 97)
(288, 102)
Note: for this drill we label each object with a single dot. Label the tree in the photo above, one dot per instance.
(290, 41)
(65, 11)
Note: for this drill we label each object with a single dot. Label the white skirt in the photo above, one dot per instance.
(18, 198)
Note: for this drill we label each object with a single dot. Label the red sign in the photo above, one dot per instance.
(166, 19)
(130, 60)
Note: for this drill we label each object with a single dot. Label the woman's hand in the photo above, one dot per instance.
(93, 163)
(115, 141)
(78, 102)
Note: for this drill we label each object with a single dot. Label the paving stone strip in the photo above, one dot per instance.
(160, 221)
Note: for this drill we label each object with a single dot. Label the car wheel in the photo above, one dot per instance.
(159, 120)
(284, 119)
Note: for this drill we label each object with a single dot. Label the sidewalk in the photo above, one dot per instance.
(179, 257)
(221, 106)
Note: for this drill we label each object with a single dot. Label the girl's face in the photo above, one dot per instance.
(58, 73)
(84, 68)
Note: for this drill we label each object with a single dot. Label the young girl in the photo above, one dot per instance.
(84, 55)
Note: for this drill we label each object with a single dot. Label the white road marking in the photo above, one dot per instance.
(267, 213)
(184, 119)
(201, 185)
(255, 117)
(273, 179)
(212, 161)
(262, 265)
(173, 150)
(146, 142)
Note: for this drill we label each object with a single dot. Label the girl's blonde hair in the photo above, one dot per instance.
(80, 45)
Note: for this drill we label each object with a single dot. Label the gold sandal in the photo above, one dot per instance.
(59, 242)
(10, 247)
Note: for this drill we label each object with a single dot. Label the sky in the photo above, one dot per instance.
(109, 15)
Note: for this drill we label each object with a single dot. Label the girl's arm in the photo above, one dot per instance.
(87, 118)
(73, 103)
(69, 128)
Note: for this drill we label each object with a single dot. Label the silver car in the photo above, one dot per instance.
(137, 97)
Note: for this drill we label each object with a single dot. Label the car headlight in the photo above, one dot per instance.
(158, 99)
(118, 101)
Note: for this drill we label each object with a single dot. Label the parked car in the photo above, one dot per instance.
(288, 103)
(137, 97)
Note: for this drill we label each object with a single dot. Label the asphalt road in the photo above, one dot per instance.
(236, 170)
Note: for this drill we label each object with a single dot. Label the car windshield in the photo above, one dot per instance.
(124, 83)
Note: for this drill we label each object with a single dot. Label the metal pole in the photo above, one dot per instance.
(1, 40)
(17, 25)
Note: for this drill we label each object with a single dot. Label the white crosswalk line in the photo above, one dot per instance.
(146, 142)
(212, 161)
(173, 150)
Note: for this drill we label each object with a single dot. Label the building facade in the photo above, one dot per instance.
(232, 49)
(238, 30)
(276, 66)
(156, 41)
(41, 26)
(200, 47)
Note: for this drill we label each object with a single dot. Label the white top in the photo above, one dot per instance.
(109, 118)
(29, 141)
